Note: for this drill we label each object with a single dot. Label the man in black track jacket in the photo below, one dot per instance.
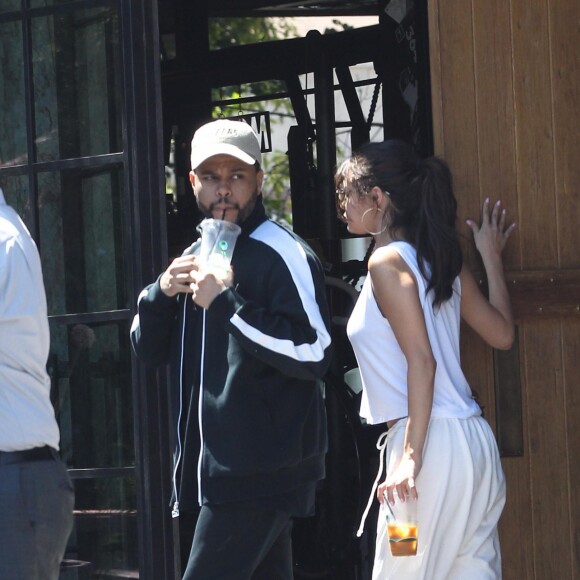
(247, 349)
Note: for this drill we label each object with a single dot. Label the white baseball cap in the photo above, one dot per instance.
(225, 137)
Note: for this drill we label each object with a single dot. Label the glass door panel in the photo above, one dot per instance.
(15, 190)
(90, 370)
(8, 5)
(104, 542)
(84, 240)
(13, 148)
(76, 71)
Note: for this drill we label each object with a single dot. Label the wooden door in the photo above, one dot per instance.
(505, 78)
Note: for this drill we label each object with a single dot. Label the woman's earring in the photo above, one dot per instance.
(362, 219)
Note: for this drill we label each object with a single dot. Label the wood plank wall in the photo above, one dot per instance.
(505, 78)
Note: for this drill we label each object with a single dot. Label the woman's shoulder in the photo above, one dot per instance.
(395, 255)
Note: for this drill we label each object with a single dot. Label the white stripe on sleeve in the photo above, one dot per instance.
(294, 256)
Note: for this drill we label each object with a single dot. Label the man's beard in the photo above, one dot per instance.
(224, 206)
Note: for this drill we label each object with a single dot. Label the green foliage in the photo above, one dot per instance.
(227, 32)
(276, 189)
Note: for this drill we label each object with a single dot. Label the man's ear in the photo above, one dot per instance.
(260, 180)
(192, 180)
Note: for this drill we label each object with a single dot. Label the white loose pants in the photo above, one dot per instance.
(461, 489)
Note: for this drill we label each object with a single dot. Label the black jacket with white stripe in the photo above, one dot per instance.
(249, 394)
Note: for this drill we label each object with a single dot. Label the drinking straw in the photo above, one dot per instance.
(390, 508)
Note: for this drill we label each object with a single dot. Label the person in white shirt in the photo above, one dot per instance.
(439, 451)
(36, 494)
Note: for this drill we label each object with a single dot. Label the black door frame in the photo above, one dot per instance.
(158, 545)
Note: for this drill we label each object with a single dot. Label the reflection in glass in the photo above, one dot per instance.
(89, 367)
(13, 149)
(104, 537)
(76, 71)
(83, 240)
(15, 188)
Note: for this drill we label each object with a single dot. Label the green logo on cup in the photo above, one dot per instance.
(223, 245)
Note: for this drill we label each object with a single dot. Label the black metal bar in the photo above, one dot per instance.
(265, 8)
(317, 11)
(301, 174)
(301, 112)
(281, 94)
(360, 131)
(51, 8)
(280, 59)
(145, 180)
(325, 138)
(30, 126)
(424, 112)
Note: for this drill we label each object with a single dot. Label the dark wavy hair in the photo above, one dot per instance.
(423, 207)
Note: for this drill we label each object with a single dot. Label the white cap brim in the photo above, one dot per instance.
(198, 157)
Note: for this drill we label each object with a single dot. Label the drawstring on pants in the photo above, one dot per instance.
(381, 446)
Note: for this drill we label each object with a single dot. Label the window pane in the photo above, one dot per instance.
(76, 68)
(12, 103)
(90, 370)
(83, 240)
(15, 190)
(7, 5)
(104, 538)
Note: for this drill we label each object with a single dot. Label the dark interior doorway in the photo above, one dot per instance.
(325, 546)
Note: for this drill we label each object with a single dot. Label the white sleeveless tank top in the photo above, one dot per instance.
(383, 366)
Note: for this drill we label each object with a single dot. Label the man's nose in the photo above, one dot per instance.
(223, 189)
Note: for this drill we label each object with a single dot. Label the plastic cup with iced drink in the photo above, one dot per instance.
(402, 528)
(218, 240)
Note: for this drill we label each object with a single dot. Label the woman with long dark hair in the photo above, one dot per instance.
(439, 451)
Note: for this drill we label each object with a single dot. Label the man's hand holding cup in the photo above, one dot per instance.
(208, 282)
